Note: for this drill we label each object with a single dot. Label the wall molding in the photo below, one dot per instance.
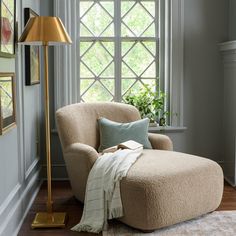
(229, 181)
(177, 62)
(229, 65)
(31, 168)
(228, 46)
(11, 223)
(8, 201)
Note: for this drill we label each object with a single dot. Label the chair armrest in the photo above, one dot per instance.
(82, 151)
(160, 141)
(79, 159)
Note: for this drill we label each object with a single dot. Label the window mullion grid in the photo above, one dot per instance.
(117, 39)
(79, 97)
(158, 42)
(117, 59)
(160, 49)
(140, 39)
(166, 22)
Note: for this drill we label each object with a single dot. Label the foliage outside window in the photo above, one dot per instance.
(119, 45)
(150, 103)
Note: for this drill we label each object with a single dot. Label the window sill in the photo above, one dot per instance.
(166, 129)
(157, 129)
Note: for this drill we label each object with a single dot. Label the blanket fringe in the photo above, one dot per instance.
(115, 213)
(87, 228)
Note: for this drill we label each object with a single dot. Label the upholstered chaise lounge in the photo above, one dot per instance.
(162, 188)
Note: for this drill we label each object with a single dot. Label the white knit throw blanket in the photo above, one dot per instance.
(102, 197)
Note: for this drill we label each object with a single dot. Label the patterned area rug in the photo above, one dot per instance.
(218, 223)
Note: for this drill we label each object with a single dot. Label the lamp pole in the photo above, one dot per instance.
(47, 124)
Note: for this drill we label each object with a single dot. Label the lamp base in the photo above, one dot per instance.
(49, 220)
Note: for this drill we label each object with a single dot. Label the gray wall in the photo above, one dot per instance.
(205, 26)
(20, 165)
(232, 20)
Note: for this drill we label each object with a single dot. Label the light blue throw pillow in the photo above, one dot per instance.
(112, 133)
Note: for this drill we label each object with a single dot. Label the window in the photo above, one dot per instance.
(118, 45)
(119, 48)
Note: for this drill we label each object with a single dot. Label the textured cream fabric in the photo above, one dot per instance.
(79, 159)
(169, 187)
(161, 188)
(77, 123)
(160, 141)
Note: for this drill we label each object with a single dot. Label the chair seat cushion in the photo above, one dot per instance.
(164, 187)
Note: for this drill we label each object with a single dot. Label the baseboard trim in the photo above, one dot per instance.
(12, 223)
(229, 181)
(59, 172)
(31, 168)
(28, 208)
(57, 179)
(9, 199)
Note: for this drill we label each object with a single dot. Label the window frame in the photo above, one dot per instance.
(66, 85)
(118, 39)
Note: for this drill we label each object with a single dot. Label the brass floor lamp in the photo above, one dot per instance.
(46, 31)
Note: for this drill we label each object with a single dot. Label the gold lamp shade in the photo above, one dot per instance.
(44, 30)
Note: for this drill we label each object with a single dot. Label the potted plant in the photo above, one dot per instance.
(149, 103)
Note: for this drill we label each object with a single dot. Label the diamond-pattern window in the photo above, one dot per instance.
(137, 19)
(118, 50)
(98, 59)
(97, 18)
(96, 92)
(138, 59)
(134, 86)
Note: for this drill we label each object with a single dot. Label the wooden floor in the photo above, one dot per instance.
(64, 201)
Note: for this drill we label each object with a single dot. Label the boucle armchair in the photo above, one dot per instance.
(162, 188)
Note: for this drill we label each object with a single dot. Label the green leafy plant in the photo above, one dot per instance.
(150, 103)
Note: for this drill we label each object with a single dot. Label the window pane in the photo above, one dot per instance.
(97, 92)
(85, 84)
(98, 60)
(127, 72)
(149, 6)
(126, 85)
(150, 72)
(138, 60)
(85, 71)
(151, 47)
(109, 84)
(97, 18)
(98, 64)
(137, 18)
(85, 6)
(84, 46)
(134, 86)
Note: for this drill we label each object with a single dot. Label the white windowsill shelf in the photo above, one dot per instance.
(166, 129)
(157, 129)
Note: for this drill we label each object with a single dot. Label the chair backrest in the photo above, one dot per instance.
(77, 123)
